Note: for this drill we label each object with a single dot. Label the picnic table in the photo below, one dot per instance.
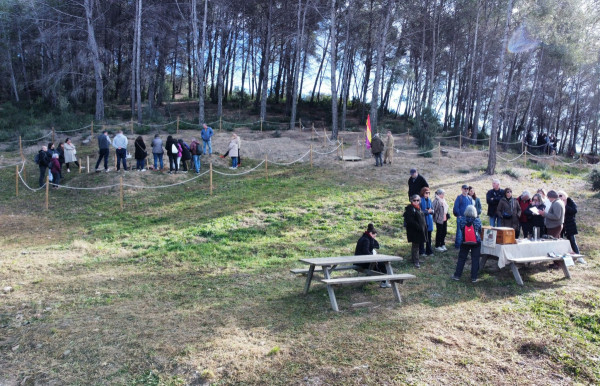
(526, 252)
(327, 265)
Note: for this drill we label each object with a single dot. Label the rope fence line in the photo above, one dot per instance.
(293, 162)
(241, 174)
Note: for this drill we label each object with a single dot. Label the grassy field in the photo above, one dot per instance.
(184, 287)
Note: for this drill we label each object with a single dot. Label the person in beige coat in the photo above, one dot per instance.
(70, 154)
(509, 210)
(389, 148)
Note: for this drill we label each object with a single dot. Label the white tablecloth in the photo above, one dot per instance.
(526, 248)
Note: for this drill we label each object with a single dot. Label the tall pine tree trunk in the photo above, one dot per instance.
(93, 46)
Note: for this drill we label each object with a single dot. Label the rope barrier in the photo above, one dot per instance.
(293, 162)
(421, 152)
(464, 152)
(329, 152)
(242, 173)
(511, 160)
(37, 139)
(10, 166)
(166, 186)
(74, 130)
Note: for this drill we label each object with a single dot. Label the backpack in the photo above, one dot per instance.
(36, 159)
(469, 233)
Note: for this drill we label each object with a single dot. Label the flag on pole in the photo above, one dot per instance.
(368, 133)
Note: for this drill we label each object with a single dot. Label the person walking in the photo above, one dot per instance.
(416, 227)
(157, 152)
(140, 154)
(70, 155)
(377, 147)
(416, 182)
(440, 217)
(207, 133)
(492, 198)
(196, 151)
(120, 145)
(172, 151)
(427, 209)
(103, 150)
(469, 240)
(389, 148)
(554, 217)
(509, 211)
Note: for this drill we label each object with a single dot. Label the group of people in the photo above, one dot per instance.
(378, 147)
(549, 215)
(545, 144)
(51, 159)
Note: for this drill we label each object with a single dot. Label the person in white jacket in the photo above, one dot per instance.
(70, 154)
(233, 151)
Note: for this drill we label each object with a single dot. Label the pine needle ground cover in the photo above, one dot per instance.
(184, 287)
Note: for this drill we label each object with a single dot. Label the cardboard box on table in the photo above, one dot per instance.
(504, 235)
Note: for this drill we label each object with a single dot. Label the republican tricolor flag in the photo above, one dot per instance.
(368, 133)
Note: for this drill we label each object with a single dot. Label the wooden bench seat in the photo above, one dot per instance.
(365, 279)
(536, 259)
(533, 259)
(304, 271)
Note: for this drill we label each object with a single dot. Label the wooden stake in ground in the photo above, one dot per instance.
(53, 135)
(324, 137)
(357, 145)
(21, 149)
(312, 132)
(88, 164)
(177, 129)
(17, 179)
(342, 147)
(439, 154)
(121, 191)
(261, 121)
(115, 160)
(80, 163)
(267, 166)
(220, 123)
(311, 156)
(47, 189)
(210, 177)
(460, 140)
(92, 129)
(131, 126)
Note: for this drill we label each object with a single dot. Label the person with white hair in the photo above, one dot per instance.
(469, 240)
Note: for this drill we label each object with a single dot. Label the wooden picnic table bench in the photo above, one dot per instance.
(329, 264)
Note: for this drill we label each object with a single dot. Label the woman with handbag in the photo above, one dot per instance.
(509, 211)
(70, 154)
(416, 227)
(140, 154)
(172, 151)
(440, 217)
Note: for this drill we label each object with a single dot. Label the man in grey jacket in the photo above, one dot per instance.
(157, 151)
(555, 216)
(103, 150)
(120, 144)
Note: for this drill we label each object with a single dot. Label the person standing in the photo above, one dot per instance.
(427, 208)
(440, 217)
(233, 151)
(570, 224)
(140, 154)
(469, 240)
(70, 154)
(103, 150)
(172, 151)
(206, 133)
(509, 210)
(55, 170)
(492, 198)
(475, 199)
(186, 154)
(460, 205)
(377, 147)
(196, 151)
(389, 148)
(157, 152)
(365, 246)
(524, 201)
(120, 144)
(43, 161)
(416, 182)
(533, 215)
(545, 200)
(61, 155)
(554, 217)
(416, 227)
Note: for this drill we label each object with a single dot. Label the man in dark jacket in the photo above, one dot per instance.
(43, 162)
(492, 198)
(103, 149)
(365, 246)
(416, 182)
(377, 148)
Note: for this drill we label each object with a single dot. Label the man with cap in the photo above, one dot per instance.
(460, 205)
(416, 182)
(554, 217)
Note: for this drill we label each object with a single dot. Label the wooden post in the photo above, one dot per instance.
(267, 166)
(17, 179)
(121, 191)
(131, 126)
(311, 155)
(261, 121)
(210, 176)
(88, 164)
(21, 149)
(92, 129)
(115, 160)
(324, 137)
(342, 146)
(460, 140)
(357, 145)
(300, 123)
(364, 146)
(312, 132)
(553, 161)
(47, 189)
(220, 123)
(525, 158)
(177, 130)
(53, 135)
(440, 154)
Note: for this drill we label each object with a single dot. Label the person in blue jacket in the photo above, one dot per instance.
(427, 209)
(469, 218)
(206, 133)
(460, 205)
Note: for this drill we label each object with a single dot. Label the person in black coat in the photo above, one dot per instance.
(536, 220)
(172, 155)
(365, 246)
(416, 182)
(140, 154)
(186, 154)
(570, 225)
(416, 227)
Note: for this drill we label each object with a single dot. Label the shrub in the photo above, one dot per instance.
(511, 173)
(426, 131)
(595, 180)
